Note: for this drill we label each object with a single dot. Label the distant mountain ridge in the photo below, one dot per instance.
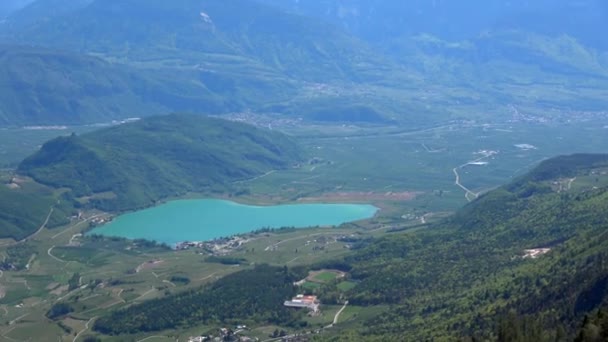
(190, 30)
(46, 87)
(322, 60)
(378, 20)
(228, 56)
(488, 46)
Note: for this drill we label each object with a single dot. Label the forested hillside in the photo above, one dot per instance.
(255, 295)
(135, 164)
(461, 277)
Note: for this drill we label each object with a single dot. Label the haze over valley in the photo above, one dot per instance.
(311, 170)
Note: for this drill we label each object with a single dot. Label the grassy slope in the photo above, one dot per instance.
(158, 157)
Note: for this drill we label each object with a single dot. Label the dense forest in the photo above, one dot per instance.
(133, 165)
(254, 295)
(594, 327)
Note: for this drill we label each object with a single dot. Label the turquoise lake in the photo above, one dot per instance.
(207, 219)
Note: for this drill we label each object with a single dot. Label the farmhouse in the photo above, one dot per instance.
(302, 301)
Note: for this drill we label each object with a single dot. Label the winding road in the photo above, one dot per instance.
(86, 327)
(52, 256)
(48, 217)
(337, 316)
(467, 191)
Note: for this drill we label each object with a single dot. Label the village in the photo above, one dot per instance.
(225, 334)
(220, 247)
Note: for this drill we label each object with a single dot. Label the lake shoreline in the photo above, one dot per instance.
(207, 219)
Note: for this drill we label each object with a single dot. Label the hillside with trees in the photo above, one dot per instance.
(255, 295)
(23, 211)
(136, 164)
(468, 275)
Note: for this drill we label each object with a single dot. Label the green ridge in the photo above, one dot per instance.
(136, 164)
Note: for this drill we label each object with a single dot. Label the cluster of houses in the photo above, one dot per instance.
(221, 246)
(225, 334)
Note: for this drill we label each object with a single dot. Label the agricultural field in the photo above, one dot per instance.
(96, 276)
(416, 170)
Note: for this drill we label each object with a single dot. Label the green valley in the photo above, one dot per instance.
(397, 247)
(303, 170)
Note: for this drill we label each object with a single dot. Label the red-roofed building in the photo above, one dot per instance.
(302, 301)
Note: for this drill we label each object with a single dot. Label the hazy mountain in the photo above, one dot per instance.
(212, 34)
(8, 7)
(475, 39)
(379, 20)
(39, 11)
(331, 60)
(52, 87)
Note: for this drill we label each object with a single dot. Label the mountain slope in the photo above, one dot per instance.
(213, 33)
(42, 87)
(25, 209)
(460, 276)
(213, 56)
(133, 165)
(32, 12)
(537, 54)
